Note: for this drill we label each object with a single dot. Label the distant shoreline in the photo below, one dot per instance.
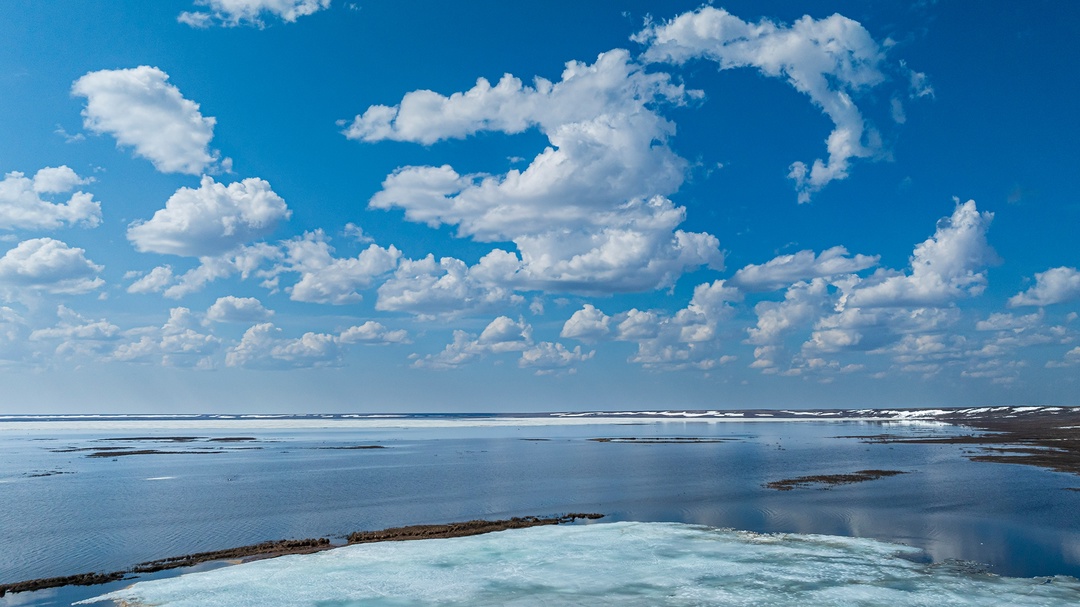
(136, 421)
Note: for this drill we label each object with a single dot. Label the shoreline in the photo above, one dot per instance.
(1043, 439)
(274, 549)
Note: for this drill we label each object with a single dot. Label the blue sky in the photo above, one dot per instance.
(317, 205)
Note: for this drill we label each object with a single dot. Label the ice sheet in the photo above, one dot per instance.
(604, 564)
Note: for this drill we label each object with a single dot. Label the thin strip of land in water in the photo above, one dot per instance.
(669, 440)
(278, 548)
(831, 480)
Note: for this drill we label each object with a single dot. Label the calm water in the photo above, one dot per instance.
(62, 512)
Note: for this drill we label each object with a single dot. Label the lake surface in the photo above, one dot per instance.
(63, 512)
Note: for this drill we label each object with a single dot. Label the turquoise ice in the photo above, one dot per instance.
(604, 564)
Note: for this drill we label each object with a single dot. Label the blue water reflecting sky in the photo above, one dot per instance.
(62, 512)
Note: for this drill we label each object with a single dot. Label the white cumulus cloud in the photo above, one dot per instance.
(449, 287)
(262, 347)
(1056, 285)
(372, 332)
(72, 325)
(786, 270)
(232, 13)
(245, 260)
(1009, 322)
(22, 205)
(803, 303)
(587, 324)
(548, 357)
(590, 213)
(906, 314)
(177, 343)
(211, 220)
(690, 338)
(48, 265)
(333, 280)
(501, 335)
(830, 60)
(155, 281)
(947, 266)
(237, 309)
(142, 110)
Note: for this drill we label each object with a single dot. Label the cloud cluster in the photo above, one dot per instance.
(501, 336)
(76, 335)
(548, 358)
(50, 266)
(449, 287)
(828, 310)
(690, 338)
(217, 224)
(829, 60)
(328, 279)
(141, 109)
(947, 266)
(590, 213)
(22, 205)
(177, 343)
(907, 315)
(232, 13)
(244, 260)
(187, 339)
(803, 302)
(261, 347)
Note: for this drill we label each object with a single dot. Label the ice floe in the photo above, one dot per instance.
(604, 564)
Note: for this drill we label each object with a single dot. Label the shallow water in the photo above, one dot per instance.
(63, 513)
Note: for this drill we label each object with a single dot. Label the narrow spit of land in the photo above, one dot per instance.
(826, 481)
(273, 549)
